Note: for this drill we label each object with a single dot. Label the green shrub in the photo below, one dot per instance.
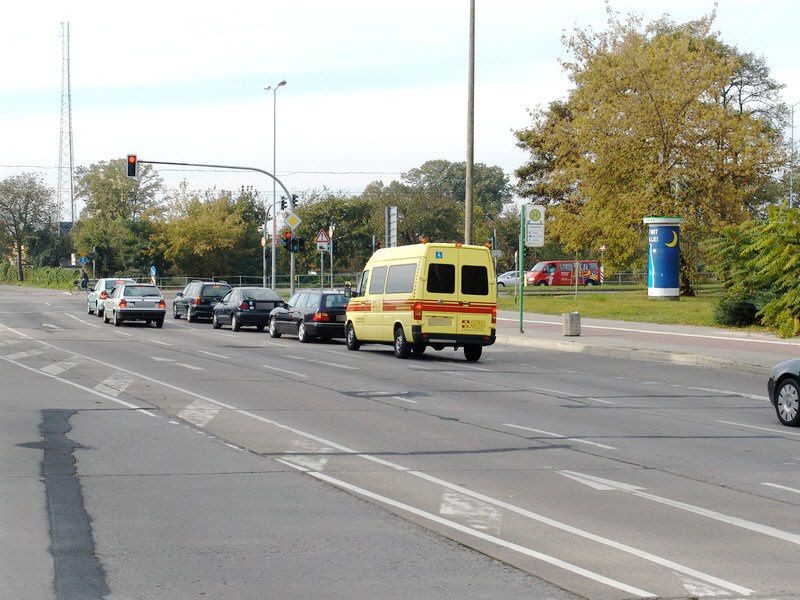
(47, 277)
(737, 310)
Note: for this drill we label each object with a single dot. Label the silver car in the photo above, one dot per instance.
(100, 291)
(135, 302)
(507, 278)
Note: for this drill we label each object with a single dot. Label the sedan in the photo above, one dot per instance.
(507, 278)
(243, 306)
(309, 314)
(135, 302)
(784, 391)
(99, 292)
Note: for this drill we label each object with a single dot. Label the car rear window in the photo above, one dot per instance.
(334, 300)
(441, 278)
(110, 284)
(474, 280)
(260, 294)
(216, 290)
(141, 290)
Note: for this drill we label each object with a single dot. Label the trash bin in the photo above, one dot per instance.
(572, 323)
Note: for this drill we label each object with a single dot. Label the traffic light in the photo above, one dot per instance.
(283, 202)
(287, 240)
(131, 165)
(294, 201)
(295, 245)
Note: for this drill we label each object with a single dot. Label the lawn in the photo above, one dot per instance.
(632, 305)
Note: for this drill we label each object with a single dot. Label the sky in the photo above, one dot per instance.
(374, 88)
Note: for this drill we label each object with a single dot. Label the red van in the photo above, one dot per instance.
(562, 272)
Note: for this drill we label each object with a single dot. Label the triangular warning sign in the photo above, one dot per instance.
(322, 237)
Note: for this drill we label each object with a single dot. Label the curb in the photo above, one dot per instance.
(677, 358)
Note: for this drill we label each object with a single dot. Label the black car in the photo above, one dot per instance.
(309, 314)
(198, 299)
(243, 306)
(784, 391)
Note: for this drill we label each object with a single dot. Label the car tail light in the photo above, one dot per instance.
(244, 305)
(321, 316)
(123, 303)
(162, 304)
(494, 315)
(417, 311)
(198, 300)
(104, 295)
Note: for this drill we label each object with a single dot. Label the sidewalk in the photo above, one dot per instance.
(678, 344)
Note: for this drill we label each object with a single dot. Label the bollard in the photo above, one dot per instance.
(572, 323)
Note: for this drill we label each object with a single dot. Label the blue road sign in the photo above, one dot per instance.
(83, 260)
(153, 271)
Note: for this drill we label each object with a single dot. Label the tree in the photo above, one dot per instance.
(26, 206)
(108, 191)
(664, 119)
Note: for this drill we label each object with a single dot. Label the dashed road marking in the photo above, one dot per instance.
(284, 371)
(781, 487)
(115, 385)
(199, 412)
(59, 367)
(213, 354)
(191, 367)
(322, 362)
(759, 428)
(23, 354)
(159, 342)
(81, 320)
(559, 436)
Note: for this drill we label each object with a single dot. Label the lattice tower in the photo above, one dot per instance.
(65, 193)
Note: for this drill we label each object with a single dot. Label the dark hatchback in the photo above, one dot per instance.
(198, 299)
(245, 306)
(784, 391)
(309, 314)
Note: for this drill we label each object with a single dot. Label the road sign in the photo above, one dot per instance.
(83, 260)
(497, 253)
(292, 220)
(153, 271)
(323, 246)
(534, 225)
(322, 237)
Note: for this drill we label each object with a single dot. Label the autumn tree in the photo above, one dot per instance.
(663, 119)
(26, 207)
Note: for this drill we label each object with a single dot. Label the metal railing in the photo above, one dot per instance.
(281, 281)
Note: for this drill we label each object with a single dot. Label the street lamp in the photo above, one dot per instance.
(274, 89)
(791, 162)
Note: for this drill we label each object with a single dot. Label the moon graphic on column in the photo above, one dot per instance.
(674, 240)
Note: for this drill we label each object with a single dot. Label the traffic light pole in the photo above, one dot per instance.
(521, 261)
(236, 168)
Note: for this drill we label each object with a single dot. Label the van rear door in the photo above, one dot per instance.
(440, 292)
(476, 292)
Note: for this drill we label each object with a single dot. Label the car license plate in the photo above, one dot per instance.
(340, 318)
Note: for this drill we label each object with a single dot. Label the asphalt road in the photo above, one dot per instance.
(264, 468)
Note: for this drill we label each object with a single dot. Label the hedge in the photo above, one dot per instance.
(46, 277)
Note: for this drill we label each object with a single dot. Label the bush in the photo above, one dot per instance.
(47, 277)
(736, 309)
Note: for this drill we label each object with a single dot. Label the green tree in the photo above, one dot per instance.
(26, 206)
(108, 192)
(663, 119)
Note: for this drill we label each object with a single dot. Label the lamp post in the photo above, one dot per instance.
(274, 89)
(791, 162)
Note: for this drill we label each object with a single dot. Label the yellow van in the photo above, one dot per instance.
(437, 295)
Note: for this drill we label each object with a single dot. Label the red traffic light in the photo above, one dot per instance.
(287, 235)
(131, 165)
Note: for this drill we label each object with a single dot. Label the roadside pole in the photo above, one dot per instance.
(521, 262)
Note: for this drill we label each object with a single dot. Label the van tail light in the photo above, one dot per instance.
(243, 305)
(123, 303)
(104, 295)
(321, 317)
(494, 315)
(162, 304)
(417, 316)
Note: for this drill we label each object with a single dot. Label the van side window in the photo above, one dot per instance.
(377, 280)
(362, 284)
(441, 278)
(474, 280)
(566, 267)
(401, 279)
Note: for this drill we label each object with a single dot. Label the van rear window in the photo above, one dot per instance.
(441, 278)
(474, 280)
(401, 279)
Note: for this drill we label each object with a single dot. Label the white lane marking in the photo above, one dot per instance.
(599, 400)
(213, 354)
(79, 386)
(284, 371)
(199, 412)
(59, 367)
(160, 359)
(282, 345)
(557, 562)
(82, 321)
(405, 399)
(322, 362)
(760, 428)
(124, 333)
(456, 364)
(559, 436)
(307, 454)
(115, 384)
(781, 487)
(159, 342)
(609, 484)
(540, 518)
(568, 394)
(479, 515)
(53, 327)
(698, 589)
(191, 367)
(23, 354)
(48, 304)
(177, 324)
(656, 332)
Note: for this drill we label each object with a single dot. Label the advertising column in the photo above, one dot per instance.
(663, 257)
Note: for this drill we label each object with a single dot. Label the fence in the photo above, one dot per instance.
(281, 281)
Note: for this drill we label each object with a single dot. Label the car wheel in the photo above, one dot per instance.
(159, 323)
(105, 317)
(787, 402)
(542, 283)
(215, 321)
(418, 349)
(589, 283)
(147, 323)
(302, 334)
(500, 284)
(350, 338)
(190, 316)
(401, 346)
(473, 352)
(235, 325)
(117, 319)
(273, 328)
(175, 313)
(99, 311)
(89, 310)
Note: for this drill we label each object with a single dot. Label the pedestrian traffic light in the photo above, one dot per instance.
(131, 165)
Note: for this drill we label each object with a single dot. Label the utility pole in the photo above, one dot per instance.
(274, 210)
(66, 158)
(470, 127)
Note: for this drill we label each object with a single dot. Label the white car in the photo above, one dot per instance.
(507, 278)
(135, 302)
(100, 291)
